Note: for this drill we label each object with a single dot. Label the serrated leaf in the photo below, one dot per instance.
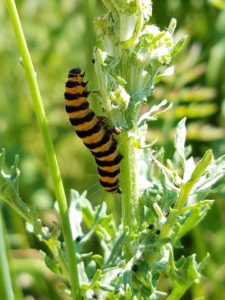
(187, 274)
(197, 213)
(9, 189)
(117, 249)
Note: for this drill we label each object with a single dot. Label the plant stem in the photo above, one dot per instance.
(53, 165)
(177, 292)
(89, 9)
(5, 278)
(128, 181)
(184, 192)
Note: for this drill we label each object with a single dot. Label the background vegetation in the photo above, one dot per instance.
(60, 35)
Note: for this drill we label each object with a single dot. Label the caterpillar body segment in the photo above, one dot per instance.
(94, 133)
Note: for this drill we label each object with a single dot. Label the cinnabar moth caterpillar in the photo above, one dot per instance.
(90, 128)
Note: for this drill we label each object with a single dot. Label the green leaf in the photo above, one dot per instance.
(98, 259)
(180, 140)
(128, 292)
(144, 275)
(201, 166)
(153, 113)
(178, 46)
(84, 205)
(95, 280)
(75, 214)
(213, 179)
(51, 263)
(170, 192)
(9, 189)
(197, 212)
(172, 26)
(162, 76)
(187, 274)
(117, 249)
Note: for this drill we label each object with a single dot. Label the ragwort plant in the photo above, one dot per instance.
(160, 202)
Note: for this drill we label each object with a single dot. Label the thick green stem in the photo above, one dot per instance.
(5, 278)
(128, 180)
(53, 165)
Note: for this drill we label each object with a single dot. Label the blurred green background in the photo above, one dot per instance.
(60, 35)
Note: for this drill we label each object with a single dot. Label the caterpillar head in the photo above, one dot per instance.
(75, 71)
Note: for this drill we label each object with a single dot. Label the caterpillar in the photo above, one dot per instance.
(91, 129)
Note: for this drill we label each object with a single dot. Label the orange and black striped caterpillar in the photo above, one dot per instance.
(94, 133)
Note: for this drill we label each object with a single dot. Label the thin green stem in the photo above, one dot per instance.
(17, 292)
(53, 165)
(89, 9)
(5, 278)
(185, 190)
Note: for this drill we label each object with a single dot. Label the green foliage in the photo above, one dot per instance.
(110, 274)
(151, 247)
(131, 53)
(166, 192)
(9, 193)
